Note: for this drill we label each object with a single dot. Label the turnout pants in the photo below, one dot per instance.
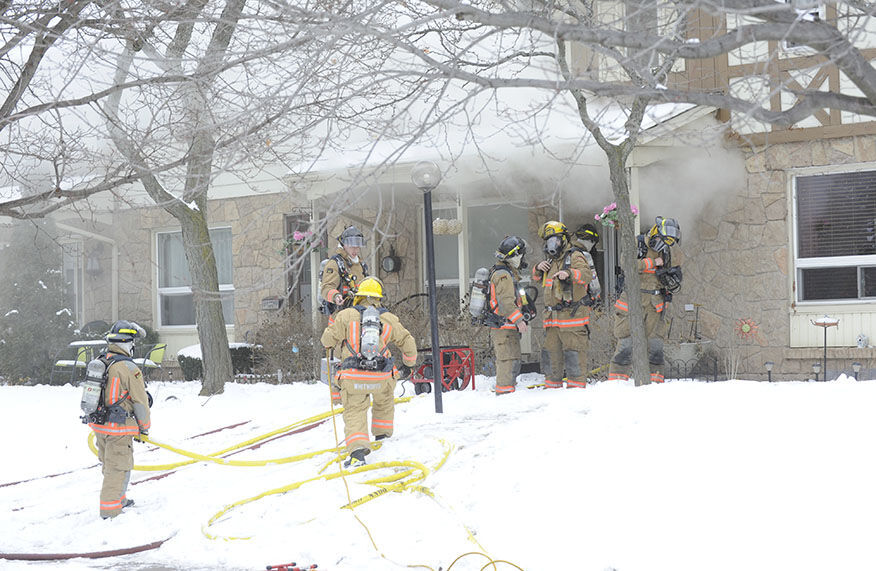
(116, 454)
(506, 346)
(565, 356)
(655, 331)
(356, 396)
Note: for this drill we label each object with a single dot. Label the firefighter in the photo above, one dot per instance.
(339, 278)
(127, 417)
(367, 371)
(342, 272)
(659, 279)
(505, 312)
(564, 275)
(584, 239)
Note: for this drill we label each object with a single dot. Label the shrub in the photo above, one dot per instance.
(244, 358)
(288, 342)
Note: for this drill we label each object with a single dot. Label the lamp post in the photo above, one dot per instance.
(816, 368)
(856, 367)
(769, 367)
(426, 175)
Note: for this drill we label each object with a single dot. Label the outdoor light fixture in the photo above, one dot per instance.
(426, 176)
(769, 367)
(856, 367)
(816, 368)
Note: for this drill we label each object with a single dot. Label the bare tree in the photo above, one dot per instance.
(188, 93)
(633, 47)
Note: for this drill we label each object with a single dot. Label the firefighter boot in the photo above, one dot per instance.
(357, 458)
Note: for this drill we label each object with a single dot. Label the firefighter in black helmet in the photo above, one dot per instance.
(659, 279)
(126, 416)
(505, 304)
(343, 272)
(564, 275)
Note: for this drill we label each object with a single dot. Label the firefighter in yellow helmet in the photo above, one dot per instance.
(367, 371)
(564, 275)
(659, 279)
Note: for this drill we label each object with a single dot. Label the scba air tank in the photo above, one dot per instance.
(370, 333)
(478, 296)
(92, 385)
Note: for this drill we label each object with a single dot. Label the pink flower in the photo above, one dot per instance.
(298, 235)
(634, 209)
(605, 209)
(597, 217)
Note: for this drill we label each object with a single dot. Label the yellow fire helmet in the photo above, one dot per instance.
(370, 287)
(552, 228)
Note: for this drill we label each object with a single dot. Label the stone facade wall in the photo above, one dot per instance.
(736, 267)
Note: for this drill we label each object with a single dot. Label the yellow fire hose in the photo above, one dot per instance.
(404, 480)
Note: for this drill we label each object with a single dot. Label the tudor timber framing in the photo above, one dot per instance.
(717, 73)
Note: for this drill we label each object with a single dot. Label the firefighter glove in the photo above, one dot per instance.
(142, 436)
(404, 372)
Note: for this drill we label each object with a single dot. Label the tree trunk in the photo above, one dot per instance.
(627, 242)
(210, 321)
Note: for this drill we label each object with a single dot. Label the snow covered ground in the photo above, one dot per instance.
(681, 476)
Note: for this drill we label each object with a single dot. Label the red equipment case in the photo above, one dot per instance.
(457, 369)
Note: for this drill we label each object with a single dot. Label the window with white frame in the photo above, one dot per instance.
(835, 236)
(807, 11)
(175, 301)
(487, 225)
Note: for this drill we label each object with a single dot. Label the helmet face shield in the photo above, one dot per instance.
(353, 242)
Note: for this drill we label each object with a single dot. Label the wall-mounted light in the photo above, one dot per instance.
(769, 369)
(391, 263)
(856, 367)
(816, 368)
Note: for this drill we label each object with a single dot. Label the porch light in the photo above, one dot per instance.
(426, 176)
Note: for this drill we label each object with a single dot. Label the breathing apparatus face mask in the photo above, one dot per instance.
(553, 246)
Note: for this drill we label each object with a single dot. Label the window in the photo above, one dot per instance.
(836, 236)
(807, 11)
(488, 225)
(175, 303)
(299, 243)
(485, 228)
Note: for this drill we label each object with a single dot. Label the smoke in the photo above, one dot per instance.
(684, 188)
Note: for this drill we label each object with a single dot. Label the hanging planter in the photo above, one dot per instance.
(446, 227)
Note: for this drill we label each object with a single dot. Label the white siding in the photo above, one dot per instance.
(853, 320)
